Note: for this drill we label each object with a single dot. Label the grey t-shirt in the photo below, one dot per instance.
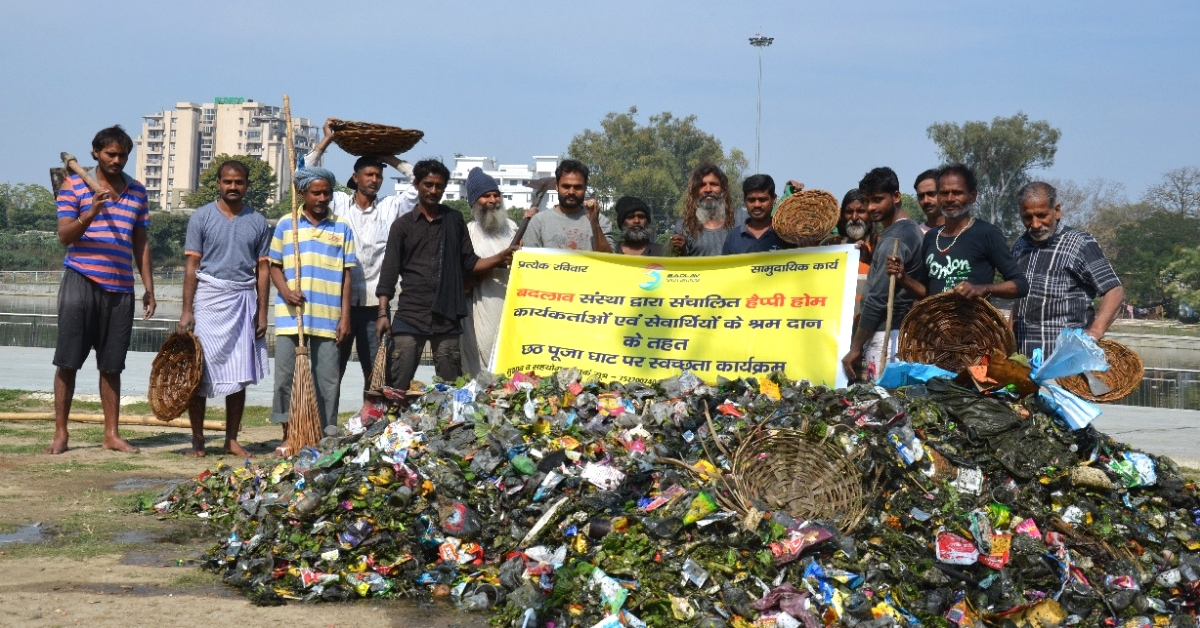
(553, 229)
(229, 248)
(709, 242)
(874, 302)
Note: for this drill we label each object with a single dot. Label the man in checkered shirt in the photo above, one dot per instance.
(1066, 272)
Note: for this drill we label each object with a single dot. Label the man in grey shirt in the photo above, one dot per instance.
(881, 189)
(708, 214)
(572, 224)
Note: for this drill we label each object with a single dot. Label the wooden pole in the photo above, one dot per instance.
(136, 419)
(887, 328)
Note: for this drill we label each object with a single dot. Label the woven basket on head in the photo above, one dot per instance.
(807, 478)
(952, 332)
(367, 140)
(805, 216)
(175, 375)
(1123, 376)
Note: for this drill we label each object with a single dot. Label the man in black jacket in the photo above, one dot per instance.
(430, 250)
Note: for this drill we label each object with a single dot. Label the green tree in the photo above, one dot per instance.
(1142, 250)
(166, 236)
(1001, 153)
(27, 207)
(462, 206)
(1181, 277)
(262, 183)
(909, 204)
(651, 161)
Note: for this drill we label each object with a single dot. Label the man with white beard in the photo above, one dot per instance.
(708, 214)
(491, 232)
(1066, 271)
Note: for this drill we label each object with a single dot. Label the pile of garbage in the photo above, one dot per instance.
(555, 502)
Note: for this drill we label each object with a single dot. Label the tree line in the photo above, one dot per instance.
(1152, 241)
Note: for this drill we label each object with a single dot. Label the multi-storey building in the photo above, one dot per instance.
(175, 145)
(513, 179)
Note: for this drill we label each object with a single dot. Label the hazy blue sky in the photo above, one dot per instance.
(848, 85)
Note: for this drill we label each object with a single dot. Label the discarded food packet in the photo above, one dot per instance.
(953, 549)
(969, 480)
(604, 477)
(907, 445)
(1135, 469)
(693, 572)
(809, 533)
(702, 506)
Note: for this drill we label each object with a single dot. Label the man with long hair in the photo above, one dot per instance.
(708, 214)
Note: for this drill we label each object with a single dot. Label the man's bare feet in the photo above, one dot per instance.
(233, 448)
(195, 453)
(197, 447)
(58, 445)
(116, 443)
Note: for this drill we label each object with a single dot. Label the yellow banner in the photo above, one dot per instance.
(622, 318)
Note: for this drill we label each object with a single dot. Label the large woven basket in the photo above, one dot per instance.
(365, 139)
(783, 469)
(175, 375)
(949, 331)
(1123, 376)
(806, 216)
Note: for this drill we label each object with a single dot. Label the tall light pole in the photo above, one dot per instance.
(760, 42)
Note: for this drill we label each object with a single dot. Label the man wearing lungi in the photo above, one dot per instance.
(225, 301)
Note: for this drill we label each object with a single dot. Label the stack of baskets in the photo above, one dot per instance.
(1123, 376)
(365, 139)
(953, 333)
(808, 216)
(175, 375)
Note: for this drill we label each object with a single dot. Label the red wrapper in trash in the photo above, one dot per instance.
(998, 557)
(953, 549)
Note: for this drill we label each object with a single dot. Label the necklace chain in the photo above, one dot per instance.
(938, 239)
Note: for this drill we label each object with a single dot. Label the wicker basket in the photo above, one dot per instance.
(808, 479)
(952, 332)
(1123, 376)
(175, 375)
(806, 216)
(368, 140)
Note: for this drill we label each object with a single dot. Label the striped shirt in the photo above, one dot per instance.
(104, 253)
(326, 250)
(1065, 274)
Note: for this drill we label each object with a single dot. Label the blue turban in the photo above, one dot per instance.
(305, 176)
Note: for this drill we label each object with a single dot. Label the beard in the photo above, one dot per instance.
(1042, 234)
(710, 208)
(856, 230)
(956, 213)
(636, 234)
(492, 221)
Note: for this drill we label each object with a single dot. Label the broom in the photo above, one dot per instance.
(887, 328)
(304, 418)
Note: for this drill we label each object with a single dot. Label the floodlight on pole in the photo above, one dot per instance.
(760, 42)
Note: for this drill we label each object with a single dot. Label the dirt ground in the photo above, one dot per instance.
(73, 552)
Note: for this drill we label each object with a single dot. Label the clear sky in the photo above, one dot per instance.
(847, 85)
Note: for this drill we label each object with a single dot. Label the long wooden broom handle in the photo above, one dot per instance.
(73, 165)
(291, 165)
(887, 328)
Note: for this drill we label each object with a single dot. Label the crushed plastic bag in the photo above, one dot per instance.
(1075, 352)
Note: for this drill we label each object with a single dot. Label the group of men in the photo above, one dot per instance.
(360, 254)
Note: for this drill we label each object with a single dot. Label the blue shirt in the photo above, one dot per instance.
(740, 240)
(228, 248)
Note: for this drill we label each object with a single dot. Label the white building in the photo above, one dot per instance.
(176, 145)
(513, 179)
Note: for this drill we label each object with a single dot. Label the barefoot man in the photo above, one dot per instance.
(104, 231)
(225, 301)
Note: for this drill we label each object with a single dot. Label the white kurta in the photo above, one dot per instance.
(487, 300)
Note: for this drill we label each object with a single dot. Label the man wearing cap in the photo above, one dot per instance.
(491, 232)
(637, 236)
(370, 218)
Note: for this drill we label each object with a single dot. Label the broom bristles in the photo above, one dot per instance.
(304, 417)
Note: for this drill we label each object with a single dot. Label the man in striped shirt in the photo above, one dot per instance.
(370, 217)
(225, 294)
(322, 298)
(1066, 271)
(104, 231)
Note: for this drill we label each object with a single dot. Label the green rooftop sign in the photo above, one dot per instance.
(229, 100)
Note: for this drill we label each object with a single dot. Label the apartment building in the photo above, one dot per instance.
(176, 145)
(512, 178)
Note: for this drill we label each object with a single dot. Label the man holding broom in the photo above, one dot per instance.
(225, 301)
(431, 251)
(322, 297)
(103, 223)
(902, 238)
